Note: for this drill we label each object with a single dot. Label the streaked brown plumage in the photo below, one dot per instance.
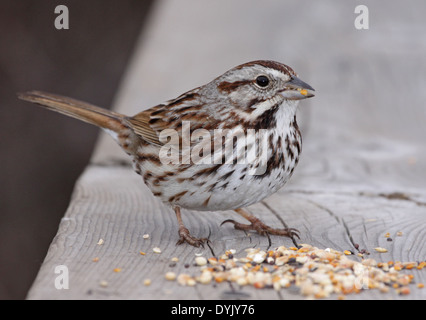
(258, 98)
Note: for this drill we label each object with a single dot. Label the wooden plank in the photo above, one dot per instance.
(108, 202)
(362, 172)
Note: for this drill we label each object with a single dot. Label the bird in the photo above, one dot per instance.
(188, 151)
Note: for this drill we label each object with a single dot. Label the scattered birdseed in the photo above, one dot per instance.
(117, 270)
(420, 285)
(186, 280)
(205, 277)
(142, 253)
(171, 276)
(259, 257)
(387, 235)
(403, 290)
(399, 233)
(317, 273)
(398, 266)
(103, 284)
(147, 282)
(175, 259)
(100, 242)
(156, 250)
(145, 236)
(200, 261)
(363, 251)
(95, 259)
(409, 265)
(380, 249)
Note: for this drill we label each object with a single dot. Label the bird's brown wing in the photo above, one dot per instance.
(142, 126)
(148, 124)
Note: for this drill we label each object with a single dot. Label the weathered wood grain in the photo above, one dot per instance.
(363, 167)
(110, 203)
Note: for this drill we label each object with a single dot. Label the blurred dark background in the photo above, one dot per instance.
(43, 153)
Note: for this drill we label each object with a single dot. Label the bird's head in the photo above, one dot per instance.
(260, 85)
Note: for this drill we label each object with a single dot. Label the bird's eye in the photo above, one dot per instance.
(262, 81)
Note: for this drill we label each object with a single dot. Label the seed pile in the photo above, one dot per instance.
(317, 273)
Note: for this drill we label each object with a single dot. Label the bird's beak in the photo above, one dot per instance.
(296, 89)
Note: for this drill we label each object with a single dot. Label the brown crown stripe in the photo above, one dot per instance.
(270, 64)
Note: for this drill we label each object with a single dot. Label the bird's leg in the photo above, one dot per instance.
(259, 226)
(184, 235)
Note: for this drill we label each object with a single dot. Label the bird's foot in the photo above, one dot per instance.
(263, 229)
(185, 236)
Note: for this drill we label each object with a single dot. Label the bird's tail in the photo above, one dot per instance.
(77, 109)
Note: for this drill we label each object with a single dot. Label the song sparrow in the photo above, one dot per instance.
(259, 96)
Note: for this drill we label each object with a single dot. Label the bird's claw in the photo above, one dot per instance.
(185, 236)
(263, 229)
